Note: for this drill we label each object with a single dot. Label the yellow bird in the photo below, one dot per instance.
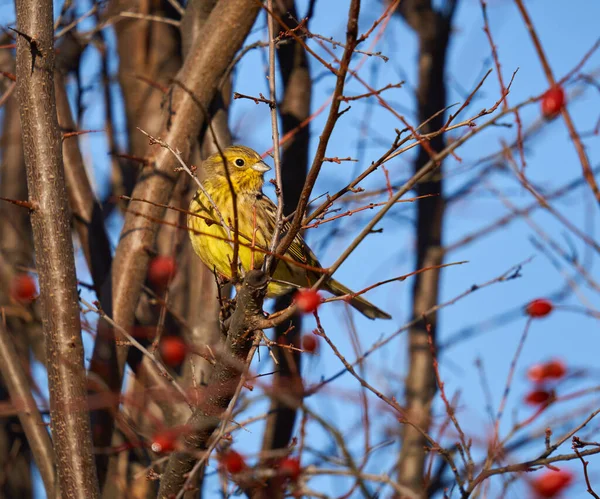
(256, 215)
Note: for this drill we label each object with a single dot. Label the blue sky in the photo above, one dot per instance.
(567, 31)
(566, 36)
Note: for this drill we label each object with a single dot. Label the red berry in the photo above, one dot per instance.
(23, 288)
(537, 397)
(161, 270)
(290, 467)
(555, 369)
(307, 300)
(536, 373)
(552, 483)
(310, 343)
(172, 350)
(233, 462)
(539, 308)
(553, 101)
(164, 442)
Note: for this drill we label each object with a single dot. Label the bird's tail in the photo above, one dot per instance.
(358, 302)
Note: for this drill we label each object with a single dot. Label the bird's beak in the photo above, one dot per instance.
(260, 167)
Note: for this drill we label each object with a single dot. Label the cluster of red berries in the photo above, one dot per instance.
(233, 462)
(161, 271)
(308, 301)
(547, 371)
(544, 375)
(540, 373)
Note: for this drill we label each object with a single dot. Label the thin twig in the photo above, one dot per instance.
(268, 262)
(163, 372)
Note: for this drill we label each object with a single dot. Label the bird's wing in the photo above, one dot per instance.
(298, 249)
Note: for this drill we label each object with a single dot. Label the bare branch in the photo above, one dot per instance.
(223, 384)
(20, 393)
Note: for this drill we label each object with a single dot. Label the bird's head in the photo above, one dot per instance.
(245, 167)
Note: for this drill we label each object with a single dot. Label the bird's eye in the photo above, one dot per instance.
(240, 162)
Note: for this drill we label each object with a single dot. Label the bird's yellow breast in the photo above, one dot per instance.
(214, 244)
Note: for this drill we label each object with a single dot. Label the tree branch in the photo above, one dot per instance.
(19, 390)
(332, 118)
(54, 250)
(222, 385)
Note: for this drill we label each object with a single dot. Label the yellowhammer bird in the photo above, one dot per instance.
(256, 224)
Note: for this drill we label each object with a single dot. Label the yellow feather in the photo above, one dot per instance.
(256, 224)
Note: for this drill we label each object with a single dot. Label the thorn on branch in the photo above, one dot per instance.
(339, 115)
(33, 46)
(68, 135)
(516, 274)
(32, 41)
(30, 205)
(143, 161)
(8, 75)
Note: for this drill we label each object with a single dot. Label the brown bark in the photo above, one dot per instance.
(88, 219)
(149, 52)
(222, 384)
(16, 247)
(15, 232)
(149, 56)
(50, 220)
(35, 430)
(433, 29)
(202, 305)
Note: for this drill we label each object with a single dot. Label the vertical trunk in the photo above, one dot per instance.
(51, 220)
(149, 52)
(16, 246)
(432, 28)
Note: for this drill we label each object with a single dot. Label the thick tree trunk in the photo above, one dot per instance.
(51, 220)
(432, 28)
